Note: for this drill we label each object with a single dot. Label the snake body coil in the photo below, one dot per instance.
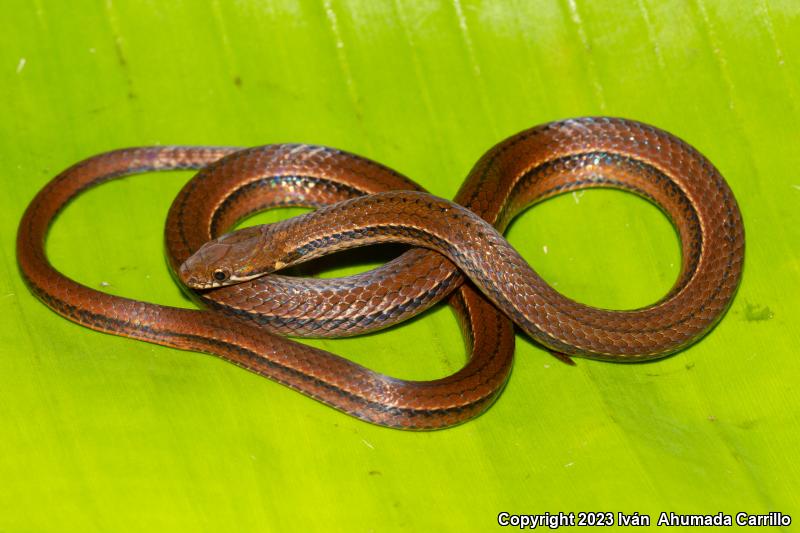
(361, 202)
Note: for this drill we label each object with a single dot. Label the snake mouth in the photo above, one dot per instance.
(196, 284)
(240, 279)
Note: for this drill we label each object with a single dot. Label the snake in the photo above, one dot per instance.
(455, 251)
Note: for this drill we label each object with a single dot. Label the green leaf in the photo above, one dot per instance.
(105, 433)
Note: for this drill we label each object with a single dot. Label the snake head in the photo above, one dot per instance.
(227, 260)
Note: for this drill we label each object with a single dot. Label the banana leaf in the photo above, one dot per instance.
(102, 433)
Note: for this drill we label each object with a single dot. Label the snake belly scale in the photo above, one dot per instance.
(361, 202)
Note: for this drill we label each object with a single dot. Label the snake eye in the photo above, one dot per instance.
(220, 275)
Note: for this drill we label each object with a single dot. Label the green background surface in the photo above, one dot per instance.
(108, 434)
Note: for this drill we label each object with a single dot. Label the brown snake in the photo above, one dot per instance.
(361, 202)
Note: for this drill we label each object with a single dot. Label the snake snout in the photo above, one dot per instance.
(191, 274)
(187, 278)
